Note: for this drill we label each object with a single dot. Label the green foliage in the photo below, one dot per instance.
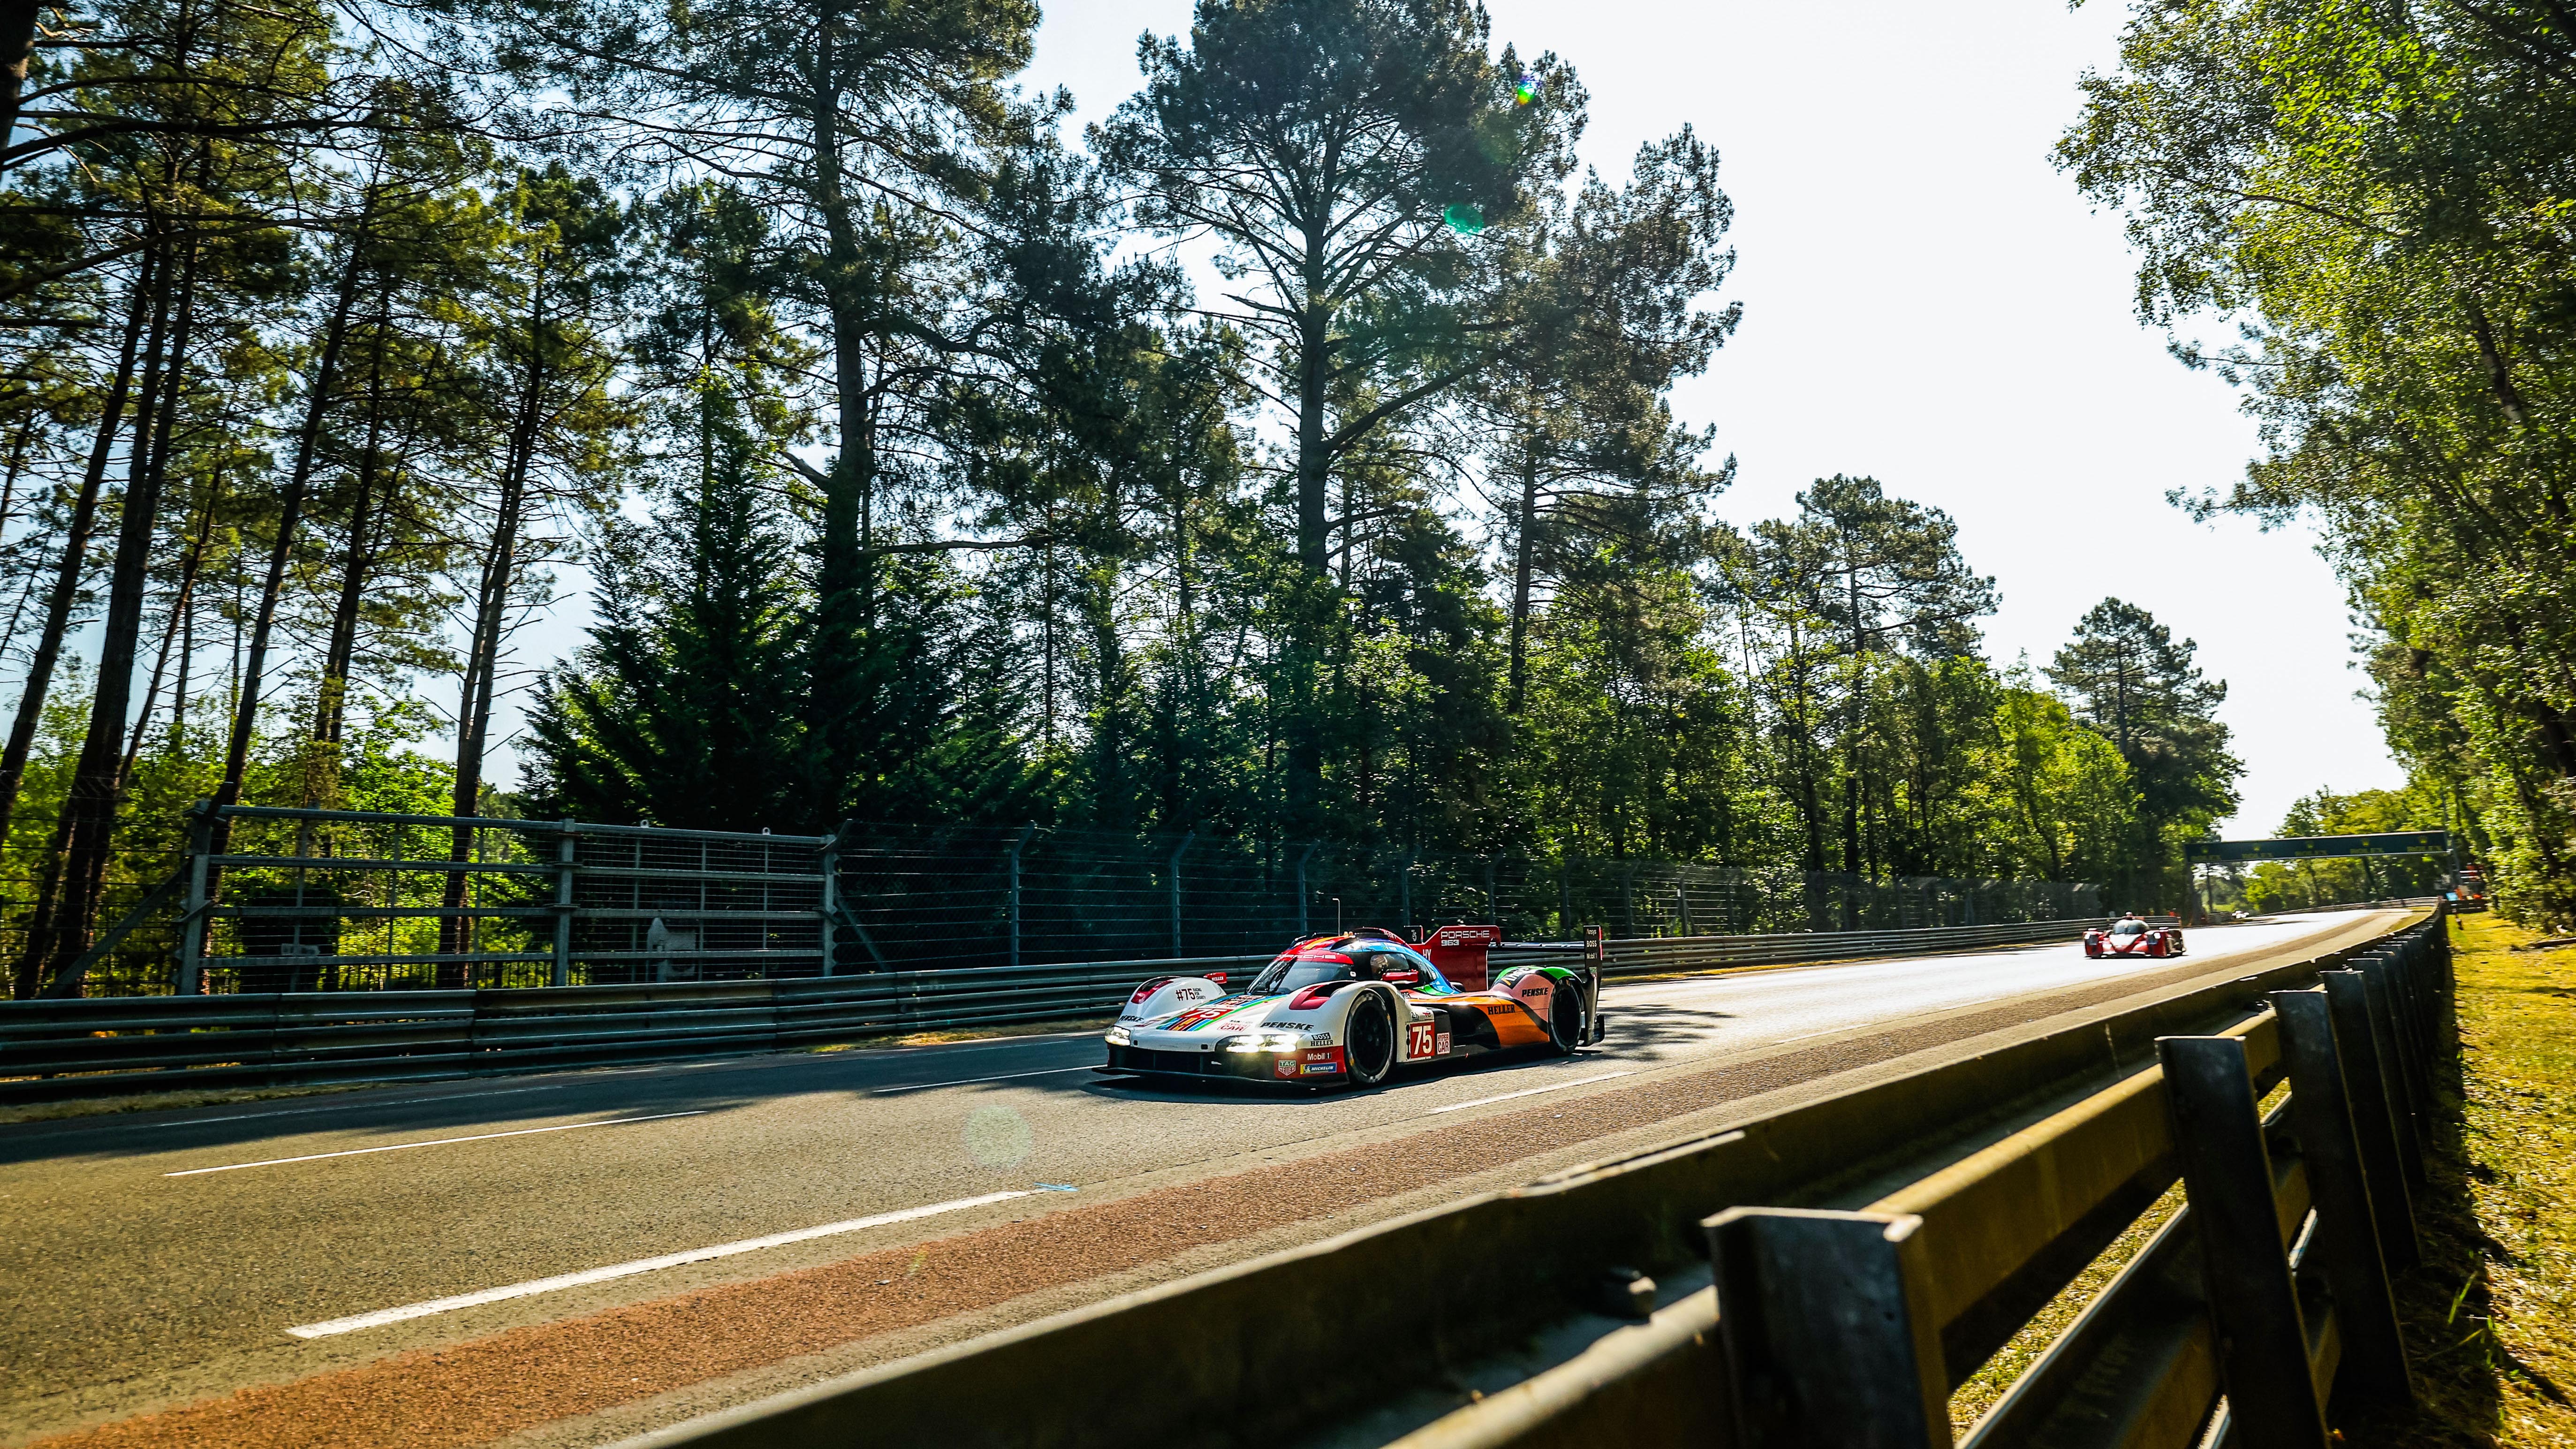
(2277, 884)
(909, 488)
(2132, 682)
(683, 711)
(2055, 799)
(2380, 194)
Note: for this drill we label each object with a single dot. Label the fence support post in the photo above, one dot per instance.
(192, 925)
(1303, 856)
(1823, 1320)
(2253, 1303)
(563, 903)
(2374, 1117)
(2348, 1236)
(1564, 893)
(1017, 845)
(829, 856)
(1404, 891)
(1173, 868)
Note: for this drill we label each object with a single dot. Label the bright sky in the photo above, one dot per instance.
(1927, 300)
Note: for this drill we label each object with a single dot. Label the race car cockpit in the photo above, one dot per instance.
(1347, 958)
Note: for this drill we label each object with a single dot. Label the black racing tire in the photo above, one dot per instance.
(1368, 1040)
(1565, 1018)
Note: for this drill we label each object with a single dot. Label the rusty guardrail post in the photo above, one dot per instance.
(2348, 1236)
(2374, 1116)
(1823, 1320)
(2253, 1302)
(2395, 1072)
(2405, 1023)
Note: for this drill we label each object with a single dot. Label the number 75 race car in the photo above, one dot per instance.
(2130, 936)
(1350, 1009)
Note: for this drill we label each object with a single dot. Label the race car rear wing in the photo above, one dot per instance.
(1459, 951)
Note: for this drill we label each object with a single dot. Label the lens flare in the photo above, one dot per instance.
(1464, 217)
(1526, 91)
(998, 1137)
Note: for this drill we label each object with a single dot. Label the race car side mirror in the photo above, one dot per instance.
(1402, 976)
(1215, 976)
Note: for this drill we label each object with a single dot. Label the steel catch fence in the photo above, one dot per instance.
(287, 900)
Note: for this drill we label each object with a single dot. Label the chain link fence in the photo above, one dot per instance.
(1001, 896)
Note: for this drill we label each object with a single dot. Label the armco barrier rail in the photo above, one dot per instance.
(1654, 954)
(1863, 1254)
(147, 1043)
(141, 1043)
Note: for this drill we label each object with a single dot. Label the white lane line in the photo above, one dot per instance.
(1810, 1036)
(535, 1286)
(435, 1142)
(970, 1081)
(1526, 1092)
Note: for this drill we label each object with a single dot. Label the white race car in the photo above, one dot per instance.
(1351, 1009)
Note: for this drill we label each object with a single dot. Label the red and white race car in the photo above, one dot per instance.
(2130, 936)
(1350, 1008)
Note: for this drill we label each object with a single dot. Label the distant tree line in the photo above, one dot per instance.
(2380, 196)
(1294, 459)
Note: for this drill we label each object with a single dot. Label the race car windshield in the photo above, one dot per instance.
(2129, 928)
(1296, 970)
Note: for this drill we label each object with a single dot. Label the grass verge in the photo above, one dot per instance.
(163, 1101)
(2490, 1316)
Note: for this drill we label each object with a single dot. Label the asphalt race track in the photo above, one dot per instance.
(154, 1260)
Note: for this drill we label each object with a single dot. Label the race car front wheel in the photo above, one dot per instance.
(1369, 1040)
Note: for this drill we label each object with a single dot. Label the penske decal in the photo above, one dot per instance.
(1236, 1007)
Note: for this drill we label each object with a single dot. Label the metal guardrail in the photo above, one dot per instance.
(98, 1045)
(85, 1046)
(1865, 1254)
(1657, 954)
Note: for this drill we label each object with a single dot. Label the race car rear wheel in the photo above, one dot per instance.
(1368, 1037)
(1565, 1019)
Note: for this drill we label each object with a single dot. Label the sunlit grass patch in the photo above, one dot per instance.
(2490, 1317)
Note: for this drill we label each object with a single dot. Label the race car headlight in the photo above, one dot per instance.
(1279, 1041)
(1118, 1037)
(1243, 1043)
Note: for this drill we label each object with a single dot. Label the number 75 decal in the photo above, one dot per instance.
(1419, 1039)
